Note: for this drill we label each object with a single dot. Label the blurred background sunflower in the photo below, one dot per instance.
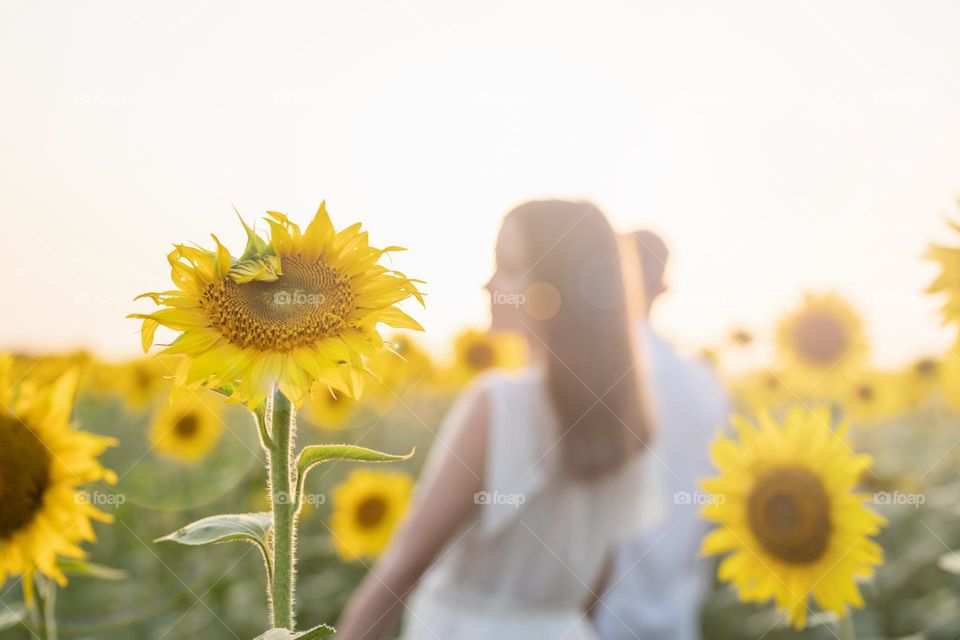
(44, 461)
(366, 509)
(189, 426)
(821, 341)
(477, 351)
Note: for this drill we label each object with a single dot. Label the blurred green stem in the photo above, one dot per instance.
(845, 630)
(47, 589)
(282, 434)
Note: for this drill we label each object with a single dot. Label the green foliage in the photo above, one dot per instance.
(245, 527)
(317, 633)
(320, 453)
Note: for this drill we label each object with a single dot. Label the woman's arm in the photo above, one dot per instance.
(445, 501)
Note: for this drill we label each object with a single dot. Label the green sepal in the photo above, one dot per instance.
(256, 246)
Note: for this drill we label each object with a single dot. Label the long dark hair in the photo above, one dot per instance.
(592, 371)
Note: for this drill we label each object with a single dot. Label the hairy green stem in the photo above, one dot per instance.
(283, 431)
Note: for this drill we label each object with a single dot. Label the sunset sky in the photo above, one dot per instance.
(778, 147)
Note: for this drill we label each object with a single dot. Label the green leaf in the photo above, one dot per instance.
(276, 634)
(319, 453)
(950, 562)
(252, 527)
(244, 527)
(323, 631)
(13, 615)
(84, 569)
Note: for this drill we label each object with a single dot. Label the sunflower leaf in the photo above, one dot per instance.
(950, 562)
(319, 453)
(85, 569)
(323, 631)
(14, 614)
(253, 527)
(244, 527)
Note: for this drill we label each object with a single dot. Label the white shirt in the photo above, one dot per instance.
(659, 580)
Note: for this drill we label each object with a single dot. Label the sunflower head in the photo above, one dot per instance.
(367, 508)
(43, 462)
(926, 376)
(402, 364)
(788, 514)
(475, 352)
(329, 409)
(821, 339)
(741, 337)
(948, 280)
(294, 310)
(870, 396)
(766, 388)
(188, 427)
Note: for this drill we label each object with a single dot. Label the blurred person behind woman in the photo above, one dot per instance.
(659, 579)
(535, 477)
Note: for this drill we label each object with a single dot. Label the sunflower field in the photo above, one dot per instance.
(830, 474)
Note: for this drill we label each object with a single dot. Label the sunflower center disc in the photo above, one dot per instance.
(821, 338)
(143, 378)
(24, 475)
(310, 301)
(789, 513)
(187, 426)
(926, 368)
(480, 355)
(371, 512)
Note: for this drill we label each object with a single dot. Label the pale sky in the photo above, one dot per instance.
(778, 147)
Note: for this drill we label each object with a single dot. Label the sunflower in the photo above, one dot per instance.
(924, 377)
(401, 365)
(870, 396)
(741, 337)
(763, 389)
(294, 310)
(948, 281)
(328, 409)
(475, 352)
(140, 382)
(366, 509)
(787, 512)
(404, 363)
(822, 339)
(188, 427)
(43, 462)
(42, 370)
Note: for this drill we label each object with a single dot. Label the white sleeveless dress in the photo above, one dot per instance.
(524, 568)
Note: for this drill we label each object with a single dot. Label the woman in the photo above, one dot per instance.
(535, 477)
